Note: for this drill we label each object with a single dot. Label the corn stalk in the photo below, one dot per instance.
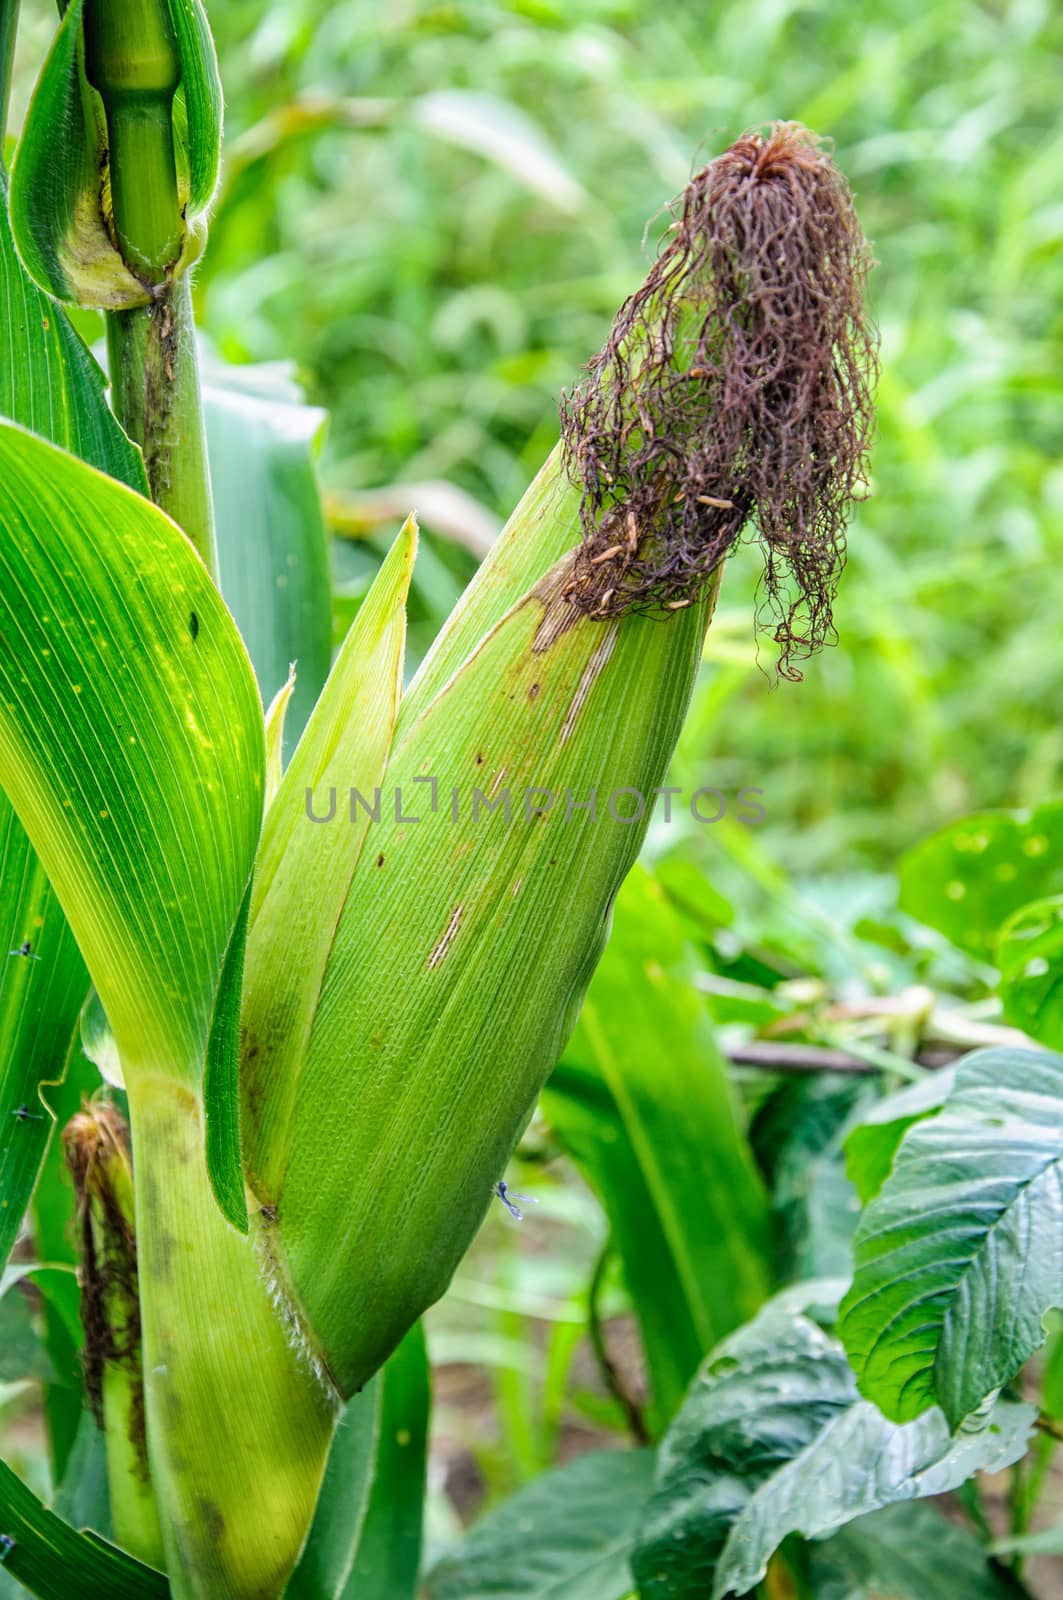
(315, 1139)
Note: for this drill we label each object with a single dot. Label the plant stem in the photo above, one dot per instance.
(132, 60)
(155, 387)
(238, 1425)
(8, 30)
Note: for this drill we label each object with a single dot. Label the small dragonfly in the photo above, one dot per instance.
(25, 951)
(24, 1114)
(7, 1544)
(507, 1197)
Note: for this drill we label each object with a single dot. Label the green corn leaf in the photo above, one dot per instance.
(48, 380)
(774, 1440)
(967, 880)
(132, 743)
(304, 871)
(568, 1535)
(450, 922)
(960, 1255)
(50, 383)
(366, 1533)
(388, 1556)
(53, 1560)
(58, 188)
(642, 1102)
(272, 543)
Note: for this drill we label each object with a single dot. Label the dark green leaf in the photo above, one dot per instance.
(798, 1135)
(56, 1562)
(568, 1535)
(774, 1440)
(907, 1552)
(960, 1255)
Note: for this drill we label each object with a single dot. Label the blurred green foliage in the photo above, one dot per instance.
(437, 208)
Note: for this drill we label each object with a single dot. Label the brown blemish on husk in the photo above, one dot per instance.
(439, 953)
(735, 385)
(96, 1144)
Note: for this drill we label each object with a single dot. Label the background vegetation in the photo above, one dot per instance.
(439, 206)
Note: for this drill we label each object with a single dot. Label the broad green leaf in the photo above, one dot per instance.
(568, 1535)
(1030, 958)
(967, 880)
(453, 923)
(304, 871)
(132, 743)
(907, 1552)
(774, 1440)
(960, 1255)
(871, 1146)
(58, 183)
(50, 383)
(53, 1560)
(642, 1102)
(272, 542)
(798, 1135)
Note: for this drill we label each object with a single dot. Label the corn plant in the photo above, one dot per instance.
(333, 954)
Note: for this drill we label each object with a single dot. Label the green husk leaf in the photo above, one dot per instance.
(449, 922)
(304, 871)
(57, 184)
(198, 119)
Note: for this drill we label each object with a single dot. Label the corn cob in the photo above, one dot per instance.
(735, 384)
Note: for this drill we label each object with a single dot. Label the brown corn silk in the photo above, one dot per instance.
(735, 386)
